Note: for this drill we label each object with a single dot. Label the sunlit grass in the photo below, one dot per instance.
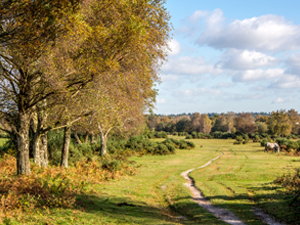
(156, 195)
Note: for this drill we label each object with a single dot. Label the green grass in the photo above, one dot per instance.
(241, 179)
(156, 195)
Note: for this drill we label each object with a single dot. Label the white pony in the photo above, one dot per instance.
(274, 146)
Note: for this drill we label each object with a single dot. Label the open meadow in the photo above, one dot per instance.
(238, 180)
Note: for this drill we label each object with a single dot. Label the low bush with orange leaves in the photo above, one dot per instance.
(53, 187)
(291, 182)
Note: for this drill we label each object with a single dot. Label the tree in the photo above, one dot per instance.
(279, 123)
(205, 124)
(54, 48)
(184, 124)
(295, 120)
(244, 123)
(27, 30)
(220, 124)
(261, 119)
(262, 127)
(196, 121)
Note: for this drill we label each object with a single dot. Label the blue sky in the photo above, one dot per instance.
(231, 55)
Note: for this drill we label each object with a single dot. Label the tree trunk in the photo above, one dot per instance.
(86, 138)
(77, 138)
(93, 139)
(65, 150)
(22, 141)
(35, 143)
(44, 150)
(103, 149)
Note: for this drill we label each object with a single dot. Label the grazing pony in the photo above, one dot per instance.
(274, 146)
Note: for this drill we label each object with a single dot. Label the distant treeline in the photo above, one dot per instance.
(212, 114)
(281, 122)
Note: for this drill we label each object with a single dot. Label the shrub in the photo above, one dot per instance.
(160, 134)
(190, 144)
(189, 137)
(263, 142)
(239, 138)
(256, 139)
(291, 182)
(237, 142)
(194, 134)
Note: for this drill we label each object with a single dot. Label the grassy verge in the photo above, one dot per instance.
(155, 195)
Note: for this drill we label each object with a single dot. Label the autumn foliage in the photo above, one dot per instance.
(53, 187)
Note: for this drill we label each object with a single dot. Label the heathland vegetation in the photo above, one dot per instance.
(76, 78)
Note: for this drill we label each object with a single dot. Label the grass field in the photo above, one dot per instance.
(155, 195)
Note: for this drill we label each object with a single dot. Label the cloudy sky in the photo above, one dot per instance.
(232, 56)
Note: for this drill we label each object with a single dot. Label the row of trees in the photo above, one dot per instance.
(86, 65)
(277, 123)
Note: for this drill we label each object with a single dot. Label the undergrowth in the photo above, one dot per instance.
(53, 187)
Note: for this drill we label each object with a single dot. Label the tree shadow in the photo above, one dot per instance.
(276, 205)
(122, 209)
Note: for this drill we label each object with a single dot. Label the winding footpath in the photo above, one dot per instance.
(222, 214)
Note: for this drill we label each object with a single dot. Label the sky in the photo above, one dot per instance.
(231, 55)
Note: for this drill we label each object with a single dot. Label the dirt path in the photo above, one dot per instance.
(220, 213)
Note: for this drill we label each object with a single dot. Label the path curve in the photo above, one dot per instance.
(198, 197)
(220, 213)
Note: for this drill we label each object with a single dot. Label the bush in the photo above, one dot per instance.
(189, 137)
(256, 139)
(291, 183)
(239, 138)
(160, 134)
(237, 142)
(181, 144)
(263, 142)
(53, 187)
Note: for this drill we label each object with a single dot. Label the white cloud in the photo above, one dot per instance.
(175, 47)
(161, 100)
(282, 100)
(169, 77)
(247, 96)
(258, 75)
(293, 64)
(223, 85)
(287, 82)
(187, 65)
(197, 92)
(244, 59)
(264, 33)
(197, 14)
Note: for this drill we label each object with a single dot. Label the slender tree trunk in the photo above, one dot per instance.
(77, 138)
(65, 151)
(22, 141)
(35, 143)
(86, 138)
(44, 150)
(93, 139)
(103, 150)
(36, 148)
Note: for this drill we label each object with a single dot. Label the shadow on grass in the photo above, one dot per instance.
(276, 205)
(122, 210)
